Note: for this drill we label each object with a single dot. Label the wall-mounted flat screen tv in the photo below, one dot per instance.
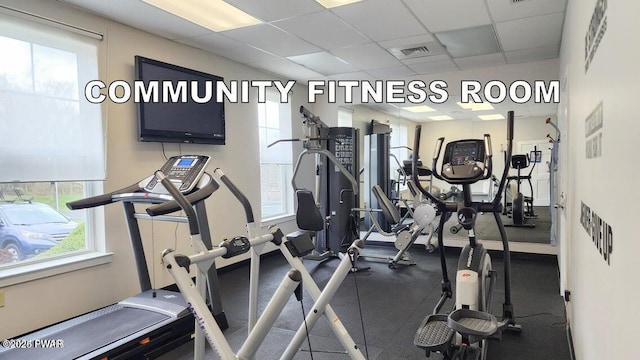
(173, 115)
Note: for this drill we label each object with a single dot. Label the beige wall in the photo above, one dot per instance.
(38, 303)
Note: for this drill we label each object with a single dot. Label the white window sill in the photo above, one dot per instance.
(39, 270)
(278, 220)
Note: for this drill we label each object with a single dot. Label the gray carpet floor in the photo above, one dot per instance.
(384, 308)
(486, 228)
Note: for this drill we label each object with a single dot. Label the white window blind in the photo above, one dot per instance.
(276, 162)
(48, 131)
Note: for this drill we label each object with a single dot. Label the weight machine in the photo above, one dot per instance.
(336, 188)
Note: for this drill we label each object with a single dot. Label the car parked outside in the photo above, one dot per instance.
(29, 228)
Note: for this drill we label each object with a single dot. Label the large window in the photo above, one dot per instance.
(51, 143)
(276, 162)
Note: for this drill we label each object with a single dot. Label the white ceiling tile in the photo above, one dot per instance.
(543, 53)
(438, 15)
(271, 39)
(539, 31)
(358, 75)
(480, 61)
(323, 62)
(506, 10)
(432, 67)
(287, 69)
(324, 29)
(367, 57)
(154, 20)
(227, 47)
(273, 10)
(381, 19)
(392, 72)
(426, 59)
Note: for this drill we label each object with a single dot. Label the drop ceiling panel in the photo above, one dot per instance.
(323, 63)
(392, 72)
(381, 19)
(287, 69)
(227, 47)
(358, 75)
(154, 20)
(438, 15)
(273, 10)
(502, 10)
(432, 67)
(543, 53)
(367, 57)
(534, 32)
(271, 39)
(323, 29)
(426, 59)
(480, 61)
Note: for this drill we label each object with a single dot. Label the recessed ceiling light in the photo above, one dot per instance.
(418, 109)
(215, 15)
(475, 106)
(440, 117)
(491, 117)
(333, 3)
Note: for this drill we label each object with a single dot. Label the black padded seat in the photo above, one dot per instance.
(308, 216)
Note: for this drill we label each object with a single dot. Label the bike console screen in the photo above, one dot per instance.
(463, 161)
(463, 153)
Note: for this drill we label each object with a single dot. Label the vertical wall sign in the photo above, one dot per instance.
(593, 133)
(595, 32)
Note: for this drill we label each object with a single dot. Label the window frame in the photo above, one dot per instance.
(94, 253)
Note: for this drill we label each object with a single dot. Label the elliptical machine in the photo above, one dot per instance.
(521, 205)
(463, 333)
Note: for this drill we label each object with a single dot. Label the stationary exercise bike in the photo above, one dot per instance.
(521, 205)
(464, 332)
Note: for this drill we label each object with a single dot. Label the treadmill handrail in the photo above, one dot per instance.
(103, 199)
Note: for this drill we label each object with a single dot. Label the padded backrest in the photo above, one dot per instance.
(388, 209)
(308, 216)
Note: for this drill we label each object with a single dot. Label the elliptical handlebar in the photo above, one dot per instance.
(507, 165)
(239, 195)
(194, 229)
(414, 168)
(488, 163)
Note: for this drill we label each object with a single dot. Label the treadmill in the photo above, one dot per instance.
(153, 322)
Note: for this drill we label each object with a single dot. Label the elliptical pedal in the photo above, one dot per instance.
(434, 334)
(478, 324)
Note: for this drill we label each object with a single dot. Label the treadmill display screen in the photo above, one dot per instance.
(463, 152)
(186, 162)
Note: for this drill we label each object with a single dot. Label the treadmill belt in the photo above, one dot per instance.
(81, 338)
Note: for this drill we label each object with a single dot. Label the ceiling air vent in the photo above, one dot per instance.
(411, 51)
(417, 50)
(518, 1)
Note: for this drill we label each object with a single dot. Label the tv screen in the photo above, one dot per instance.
(170, 119)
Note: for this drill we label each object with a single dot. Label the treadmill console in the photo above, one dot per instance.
(464, 161)
(184, 171)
